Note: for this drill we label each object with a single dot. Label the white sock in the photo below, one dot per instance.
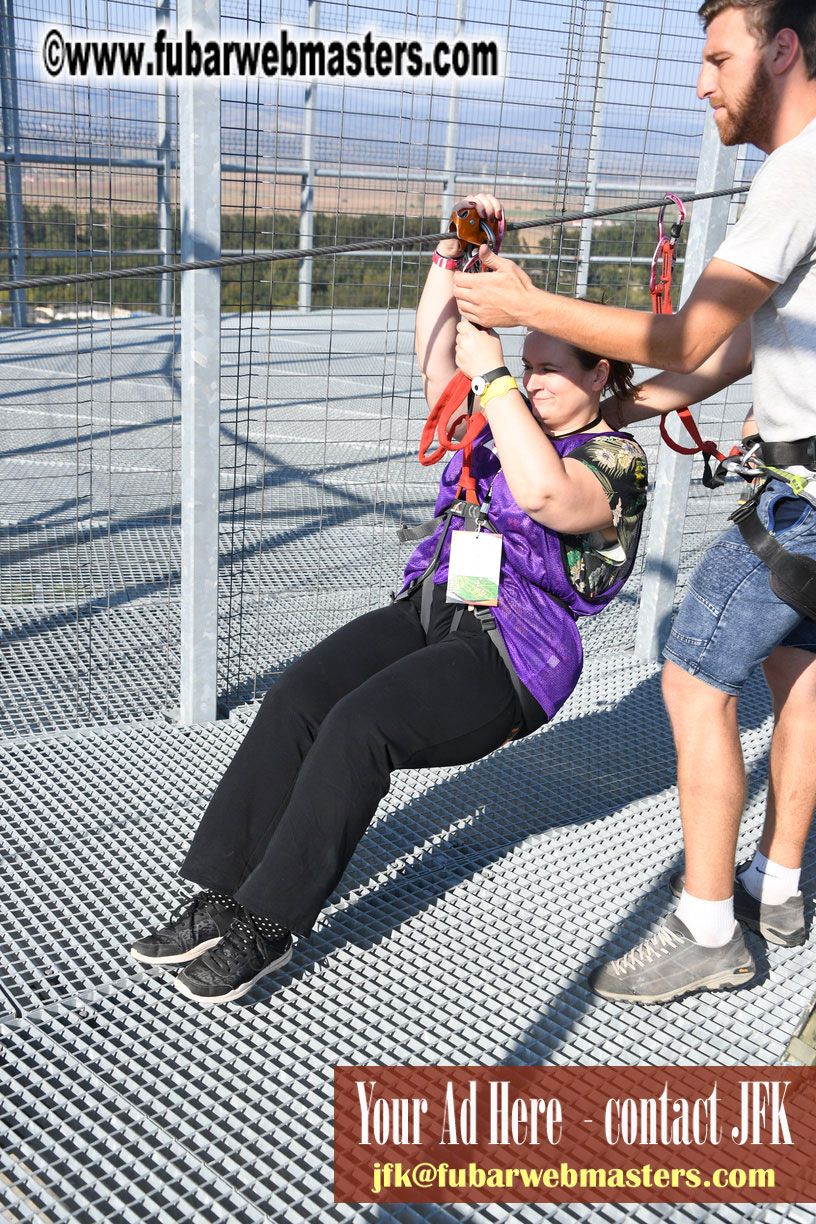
(768, 882)
(711, 922)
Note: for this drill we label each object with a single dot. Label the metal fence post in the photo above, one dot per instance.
(707, 229)
(306, 236)
(13, 175)
(164, 219)
(200, 188)
(452, 128)
(594, 151)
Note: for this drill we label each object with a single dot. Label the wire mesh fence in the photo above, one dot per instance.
(320, 417)
(320, 405)
(89, 401)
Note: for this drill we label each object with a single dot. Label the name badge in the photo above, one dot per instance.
(473, 569)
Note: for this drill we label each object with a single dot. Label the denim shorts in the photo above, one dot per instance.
(730, 620)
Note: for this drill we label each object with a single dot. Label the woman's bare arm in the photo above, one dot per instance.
(437, 313)
(666, 392)
(559, 493)
(436, 319)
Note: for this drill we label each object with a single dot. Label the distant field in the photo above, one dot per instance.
(134, 191)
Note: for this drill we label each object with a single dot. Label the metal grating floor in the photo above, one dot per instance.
(466, 923)
(462, 933)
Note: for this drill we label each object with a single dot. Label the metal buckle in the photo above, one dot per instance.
(485, 618)
(740, 464)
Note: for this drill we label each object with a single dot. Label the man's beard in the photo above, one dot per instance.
(751, 116)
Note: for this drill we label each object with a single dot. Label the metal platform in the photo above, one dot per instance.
(462, 933)
(466, 923)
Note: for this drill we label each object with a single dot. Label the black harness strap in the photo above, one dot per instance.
(469, 511)
(488, 623)
(793, 575)
(801, 453)
(406, 535)
(475, 517)
(426, 603)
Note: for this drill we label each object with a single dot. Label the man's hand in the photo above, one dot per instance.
(498, 300)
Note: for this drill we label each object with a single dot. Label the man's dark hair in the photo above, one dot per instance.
(765, 18)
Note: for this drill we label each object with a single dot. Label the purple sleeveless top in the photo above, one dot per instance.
(540, 634)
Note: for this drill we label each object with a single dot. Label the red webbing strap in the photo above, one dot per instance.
(707, 448)
(444, 419)
(661, 304)
(661, 289)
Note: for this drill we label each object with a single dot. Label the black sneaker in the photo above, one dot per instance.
(199, 925)
(228, 971)
(782, 924)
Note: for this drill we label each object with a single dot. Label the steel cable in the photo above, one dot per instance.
(345, 248)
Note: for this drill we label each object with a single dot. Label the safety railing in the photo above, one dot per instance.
(194, 524)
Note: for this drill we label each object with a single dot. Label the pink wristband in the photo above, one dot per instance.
(442, 261)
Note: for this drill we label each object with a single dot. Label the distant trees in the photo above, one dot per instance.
(85, 242)
(621, 276)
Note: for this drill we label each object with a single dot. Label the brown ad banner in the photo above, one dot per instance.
(574, 1134)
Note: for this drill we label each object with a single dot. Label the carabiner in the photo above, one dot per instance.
(674, 233)
(662, 241)
(743, 461)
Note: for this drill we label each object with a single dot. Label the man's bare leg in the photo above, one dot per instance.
(700, 946)
(791, 676)
(710, 779)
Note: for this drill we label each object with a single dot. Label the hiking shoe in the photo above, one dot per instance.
(670, 964)
(199, 925)
(782, 924)
(232, 968)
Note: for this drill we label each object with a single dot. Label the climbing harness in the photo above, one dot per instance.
(792, 575)
(444, 419)
(447, 414)
(476, 519)
(660, 288)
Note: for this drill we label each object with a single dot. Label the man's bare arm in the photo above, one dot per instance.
(724, 297)
(666, 392)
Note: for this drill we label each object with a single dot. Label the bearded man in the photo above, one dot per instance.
(752, 309)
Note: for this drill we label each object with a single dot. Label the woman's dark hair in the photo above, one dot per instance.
(621, 373)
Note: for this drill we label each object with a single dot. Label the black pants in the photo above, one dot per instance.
(375, 696)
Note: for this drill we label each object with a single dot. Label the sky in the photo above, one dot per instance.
(535, 124)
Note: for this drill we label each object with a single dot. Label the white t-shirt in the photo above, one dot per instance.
(776, 238)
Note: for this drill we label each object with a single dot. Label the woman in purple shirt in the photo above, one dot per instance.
(424, 681)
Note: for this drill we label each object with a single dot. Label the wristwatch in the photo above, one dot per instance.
(493, 383)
